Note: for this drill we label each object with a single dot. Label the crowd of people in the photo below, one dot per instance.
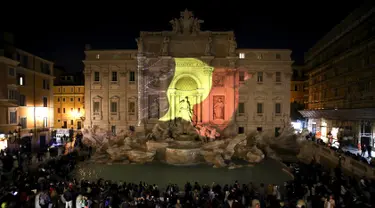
(50, 185)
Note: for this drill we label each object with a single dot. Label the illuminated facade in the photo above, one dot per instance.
(299, 86)
(26, 98)
(341, 79)
(188, 73)
(69, 106)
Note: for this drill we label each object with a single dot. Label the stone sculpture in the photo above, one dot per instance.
(218, 107)
(172, 143)
(165, 46)
(208, 47)
(232, 46)
(186, 24)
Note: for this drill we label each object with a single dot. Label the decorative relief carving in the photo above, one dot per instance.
(218, 79)
(218, 107)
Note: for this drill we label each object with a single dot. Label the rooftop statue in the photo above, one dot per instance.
(186, 24)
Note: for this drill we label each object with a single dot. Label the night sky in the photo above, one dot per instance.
(257, 24)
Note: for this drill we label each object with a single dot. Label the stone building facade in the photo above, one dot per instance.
(245, 88)
(341, 79)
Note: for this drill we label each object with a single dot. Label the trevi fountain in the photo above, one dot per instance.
(178, 150)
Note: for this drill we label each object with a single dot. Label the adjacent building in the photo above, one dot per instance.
(341, 75)
(298, 97)
(134, 89)
(26, 108)
(69, 102)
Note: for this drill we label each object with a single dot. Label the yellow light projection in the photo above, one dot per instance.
(190, 85)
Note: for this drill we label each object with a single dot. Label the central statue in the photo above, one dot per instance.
(185, 110)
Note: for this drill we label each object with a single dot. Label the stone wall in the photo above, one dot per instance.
(330, 158)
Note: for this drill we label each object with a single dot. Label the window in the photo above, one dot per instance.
(113, 130)
(96, 107)
(278, 108)
(295, 87)
(63, 110)
(72, 89)
(278, 56)
(114, 76)
(12, 95)
(260, 77)
(131, 109)
(278, 76)
(79, 110)
(97, 56)
(45, 102)
(22, 100)
(11, 72)
(63, 99)
(58, 99)
(59, 89)
(259, 129)
(132, 76)
(113, 107)
(79, 89)
(79, 99)
(96, 76)
(63, 89)
(259, 108)
(21, 79)
(58, 110)
(13, 117)
(23, 122)
(242, 55)
(45, 84)
(241, 108)
(241, 130)
(71, 110)
(71, 99)
(45, 122)
(71, 122)
(241, 76)
(260, 56)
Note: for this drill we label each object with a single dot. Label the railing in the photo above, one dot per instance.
(347, 162)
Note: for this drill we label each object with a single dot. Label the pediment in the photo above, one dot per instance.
(277, 98)
(115, 97)
(260, 98)
(97, 98)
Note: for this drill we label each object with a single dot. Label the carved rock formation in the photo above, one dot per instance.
(178, 144)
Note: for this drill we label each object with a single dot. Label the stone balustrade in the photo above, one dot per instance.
(330, 158)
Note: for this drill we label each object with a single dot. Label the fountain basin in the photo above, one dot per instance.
(183, 156)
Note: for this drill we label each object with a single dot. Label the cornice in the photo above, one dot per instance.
(8, 61)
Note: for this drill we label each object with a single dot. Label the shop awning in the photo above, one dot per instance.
(341, 114)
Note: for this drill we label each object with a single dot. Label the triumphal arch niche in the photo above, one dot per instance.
(187, 73)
